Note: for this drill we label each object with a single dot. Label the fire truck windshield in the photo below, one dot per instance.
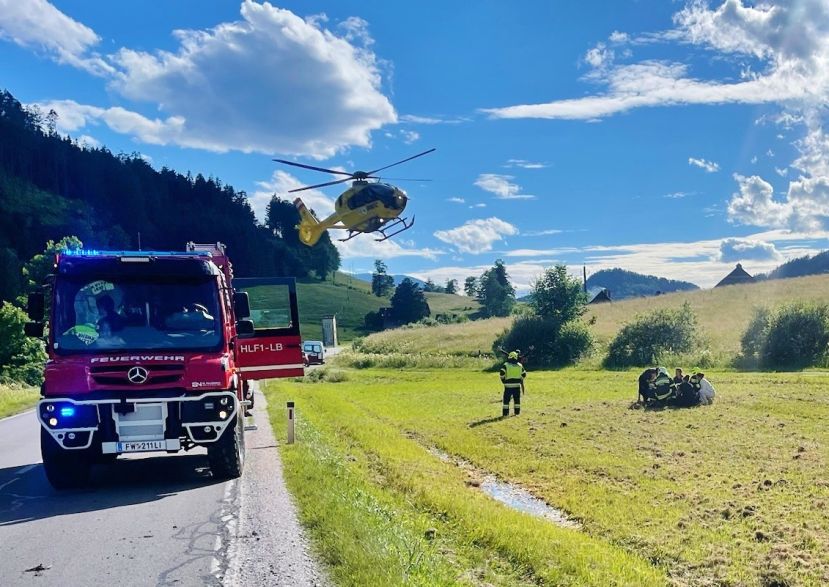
(94, 315)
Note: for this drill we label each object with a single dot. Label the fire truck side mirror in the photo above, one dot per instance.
(245, 328)
(241, 304)
(36, 306)
(33, 329)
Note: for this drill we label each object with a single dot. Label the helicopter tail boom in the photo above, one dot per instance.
(310, 229)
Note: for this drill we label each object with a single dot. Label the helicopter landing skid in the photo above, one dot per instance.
(399, 222)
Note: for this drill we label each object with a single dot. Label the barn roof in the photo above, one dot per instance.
(737, 276)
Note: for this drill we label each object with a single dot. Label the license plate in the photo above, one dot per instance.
(142, 446)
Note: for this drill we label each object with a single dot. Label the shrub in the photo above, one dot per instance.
(324, 375)
(21, 358)
(754, 338)
(374, 321)
(544, 344)
(653, 336)
(797, 336)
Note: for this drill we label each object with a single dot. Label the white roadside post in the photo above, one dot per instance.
(290, 422)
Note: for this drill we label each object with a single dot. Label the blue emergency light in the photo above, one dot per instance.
(67, 412)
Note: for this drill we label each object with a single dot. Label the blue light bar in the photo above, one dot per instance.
(97, 253)
(67, 412)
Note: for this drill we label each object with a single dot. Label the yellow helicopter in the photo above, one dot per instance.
(364, 207)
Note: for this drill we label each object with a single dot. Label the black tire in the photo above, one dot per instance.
(65, 469)
(227, 455)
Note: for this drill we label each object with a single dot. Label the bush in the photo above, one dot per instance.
(797, 336)
(651, 337)
(324, 375)
(374, 321)
(754, 338)
(21, 358)
(544, 344)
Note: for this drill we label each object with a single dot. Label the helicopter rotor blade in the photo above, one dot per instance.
(404, 179)
(319, 185)
(401, 161)
(323, 169)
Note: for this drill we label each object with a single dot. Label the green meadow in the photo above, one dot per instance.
(16, 398)
(730, 494)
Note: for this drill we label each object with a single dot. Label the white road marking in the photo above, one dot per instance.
(15, 416)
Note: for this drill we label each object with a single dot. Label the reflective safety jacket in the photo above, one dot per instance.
(512, 374)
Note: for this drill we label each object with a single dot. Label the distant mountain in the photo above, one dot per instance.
(799, 267)
(397, 278)
(627, 284)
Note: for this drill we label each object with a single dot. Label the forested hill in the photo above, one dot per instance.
(802, 266)
(51, 187)
(627, 284)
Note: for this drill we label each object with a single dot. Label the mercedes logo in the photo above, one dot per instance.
(137, 375)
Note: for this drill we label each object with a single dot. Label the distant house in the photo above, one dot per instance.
(601, 297)
(736, 277)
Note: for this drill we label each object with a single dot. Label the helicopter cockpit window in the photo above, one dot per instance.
(373, 193)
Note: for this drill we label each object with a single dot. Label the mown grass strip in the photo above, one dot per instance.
(400, 469)
(15, 399)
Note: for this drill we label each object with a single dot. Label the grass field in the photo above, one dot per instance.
(350, 299)
(730, 494)
(723, 315)
(15, 398)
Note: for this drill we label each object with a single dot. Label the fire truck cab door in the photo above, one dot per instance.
(275, 348)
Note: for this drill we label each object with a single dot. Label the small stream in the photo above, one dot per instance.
(511, 495)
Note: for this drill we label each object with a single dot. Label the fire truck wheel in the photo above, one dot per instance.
(65, 469)
(227, 455)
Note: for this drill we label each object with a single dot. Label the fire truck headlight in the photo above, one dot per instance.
(222, 415)
(53, 422)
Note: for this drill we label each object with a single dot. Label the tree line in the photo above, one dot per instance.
(51, 187)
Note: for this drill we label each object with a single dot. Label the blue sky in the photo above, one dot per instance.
(669, 138)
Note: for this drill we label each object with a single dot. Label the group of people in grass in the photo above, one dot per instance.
(657, 387)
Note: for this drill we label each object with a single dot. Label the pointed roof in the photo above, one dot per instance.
(601, 297)
(739, 275)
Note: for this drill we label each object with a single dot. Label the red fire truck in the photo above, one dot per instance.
(154, 351)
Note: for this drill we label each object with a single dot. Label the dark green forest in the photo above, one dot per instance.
(627, 284)
(51, 187)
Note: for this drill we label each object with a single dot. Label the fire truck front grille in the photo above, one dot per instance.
(156, 375)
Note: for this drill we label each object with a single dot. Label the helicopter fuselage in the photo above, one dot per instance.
(365, 207)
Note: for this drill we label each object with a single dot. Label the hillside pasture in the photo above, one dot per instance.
(723, 315)
(729, 494)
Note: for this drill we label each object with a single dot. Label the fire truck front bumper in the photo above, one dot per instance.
(161, 421)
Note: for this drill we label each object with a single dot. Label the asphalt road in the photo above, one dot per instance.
(149, 520)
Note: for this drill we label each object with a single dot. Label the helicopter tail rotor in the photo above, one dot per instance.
(310, 229)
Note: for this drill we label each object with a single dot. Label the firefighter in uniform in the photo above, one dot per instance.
(512, 376)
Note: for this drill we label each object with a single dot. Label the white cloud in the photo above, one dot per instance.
(477, 236)
(88, 142)
(409, 136)
(619, 37)
(540, 252)
(456, 200)
(699, 262)
(708, 166)
(546, 232)
(501, 186)
(754, 160)
(270, 82)
(280, 184)
(365, 246)
(524, 164)
(806, 203)
(38, 24)
(739, 249)
(781, 171)
(73, 116)
(791, 40)
(677, 195)
(599, 56)
(478, 205)
(415, 119)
